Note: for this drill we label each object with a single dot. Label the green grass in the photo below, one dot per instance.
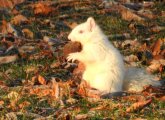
(111, 24)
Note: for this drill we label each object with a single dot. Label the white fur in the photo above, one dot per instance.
(104, 64)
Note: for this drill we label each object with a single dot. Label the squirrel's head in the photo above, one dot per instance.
(83, 31)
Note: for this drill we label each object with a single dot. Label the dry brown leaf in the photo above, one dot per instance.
(163, 53)
(100, 107)
(18, 19)
(140, 119)
(148, 4)
(163, 13)
(1, 102)
(31, 69)
(71, 25)
(143, 47)
(138, 105)
(14, 96)
(86, 91)
(15, 11)
(157, 28)
(8, 59)
(81, 116)
(147, 14)
(55, 65)
(11, 116)
(24, 104)
(55, 89)
(155, 65)
(3, 84)
(41, 80)
(7, 28)
(131, 58)
(9, 3)
(158, 57)
(42, 9)
(28, 33)
(80, 69)
(162, 98)
(129, 15)
(156, 48)
(6, 4)
(45, 92)
(35, 90)
(151, 89)
(134, 98)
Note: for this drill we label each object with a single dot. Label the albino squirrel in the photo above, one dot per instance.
(104, 66)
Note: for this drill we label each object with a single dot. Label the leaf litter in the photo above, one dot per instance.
(33, 43)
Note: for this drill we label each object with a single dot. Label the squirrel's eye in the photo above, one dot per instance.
(81, 31)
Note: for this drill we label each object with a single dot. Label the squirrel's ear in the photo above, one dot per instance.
(91, 23)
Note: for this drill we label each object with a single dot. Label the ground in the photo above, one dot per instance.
(39, 84)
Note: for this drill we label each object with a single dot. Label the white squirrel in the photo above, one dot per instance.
(104, 66)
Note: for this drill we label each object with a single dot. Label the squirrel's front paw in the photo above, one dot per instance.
(72, 57)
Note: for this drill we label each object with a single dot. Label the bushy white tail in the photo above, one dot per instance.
(136, 78)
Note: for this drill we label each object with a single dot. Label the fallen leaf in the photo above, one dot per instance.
(163, 52)
(157, 28)
(7, 28)
(9, 3)
(134, 98)
(71, 25)
(55, 89)
(35, 91)
(156, 48)
(31, 69)
(140, 119)
(147, 14)
(158, 57)
(15, 11)
(86, 91)
(1, 102)
(6, 4)
(162, 98)
(55, 65)
(81, 116)
(45, 92)
(8, 59)
(41, 80)
(100, 107)
(129, 15)
(80, 69)
(14, 96)
(42, 9)
(51, 41)
(28, 33)
(131, 58)
(151, 89)
(11, 116)
(155, 65)
(18, 19)
(138, 105)
(163, 13)
(148, 4)
(24, 104)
